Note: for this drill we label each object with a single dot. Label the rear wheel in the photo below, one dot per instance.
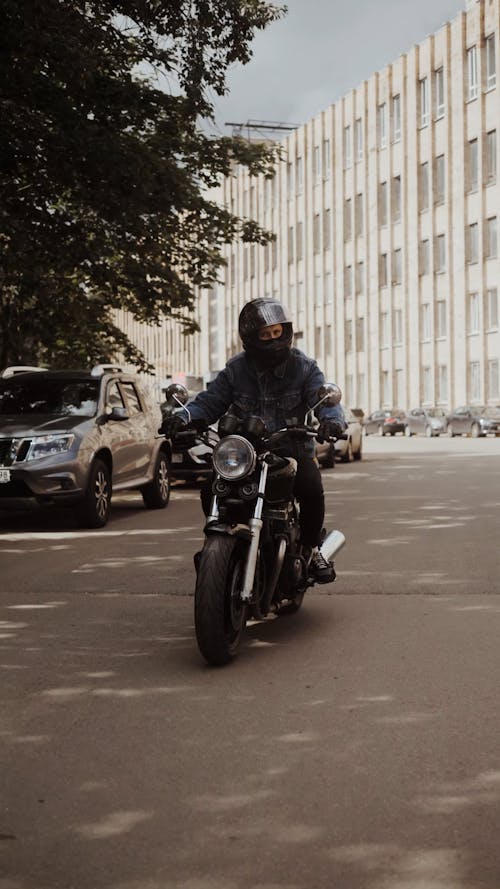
(219, 613)
(93, 510)
(348, 455)
(156, 494)
(357, 455)
(329, 460)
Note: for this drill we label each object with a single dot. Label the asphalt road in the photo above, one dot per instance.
(354, 745)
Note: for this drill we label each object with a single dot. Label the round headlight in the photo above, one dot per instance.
(234, 458)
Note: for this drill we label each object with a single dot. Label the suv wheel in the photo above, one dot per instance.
(93, 511)
(156, 494)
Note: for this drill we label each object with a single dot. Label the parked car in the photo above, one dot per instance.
(75, 437)
(385, 422)
(344, 450)
(475, 421)
(426, 421)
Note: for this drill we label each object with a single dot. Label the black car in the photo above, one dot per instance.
(385, 422)
(474, 420)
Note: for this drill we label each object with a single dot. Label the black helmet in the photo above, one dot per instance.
(261, 313)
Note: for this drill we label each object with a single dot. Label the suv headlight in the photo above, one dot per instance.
(48, 445)
(234, 458)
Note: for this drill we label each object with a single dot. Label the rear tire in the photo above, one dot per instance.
(329, 461)
(219, 614)
(93, 510)
(347, 457)
(156, 494)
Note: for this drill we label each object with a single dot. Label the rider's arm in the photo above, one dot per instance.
(214, 401)
(314, 380)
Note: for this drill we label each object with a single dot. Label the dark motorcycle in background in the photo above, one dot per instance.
(252, 563)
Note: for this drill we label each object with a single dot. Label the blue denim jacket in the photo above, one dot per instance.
(277, 396)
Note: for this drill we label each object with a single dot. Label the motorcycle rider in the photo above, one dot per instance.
(277, 382)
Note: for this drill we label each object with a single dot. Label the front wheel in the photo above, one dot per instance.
(93, 511)
(156, 494)
(219, 613)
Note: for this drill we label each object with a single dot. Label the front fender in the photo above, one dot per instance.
(240, 531)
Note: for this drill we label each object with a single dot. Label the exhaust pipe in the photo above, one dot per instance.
(333, 542)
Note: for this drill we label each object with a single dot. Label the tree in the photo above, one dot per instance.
(105, 167)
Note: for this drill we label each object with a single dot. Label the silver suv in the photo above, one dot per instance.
(74, 437)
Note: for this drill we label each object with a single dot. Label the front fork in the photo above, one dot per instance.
(255, 527)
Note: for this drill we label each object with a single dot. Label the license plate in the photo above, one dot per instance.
(176, 458)
(4, 475)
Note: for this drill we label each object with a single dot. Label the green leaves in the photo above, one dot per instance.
(104, 167)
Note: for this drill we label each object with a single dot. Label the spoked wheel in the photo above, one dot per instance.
(219, 614)
(93, 510)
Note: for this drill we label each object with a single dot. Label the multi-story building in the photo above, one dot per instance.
(385, 209)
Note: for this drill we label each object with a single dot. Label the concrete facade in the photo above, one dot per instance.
(385, 209)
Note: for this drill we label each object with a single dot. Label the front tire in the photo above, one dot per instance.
(219, 614)
(93, 511)
(156, 494)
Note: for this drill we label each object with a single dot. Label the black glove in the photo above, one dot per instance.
(172, 425)
(329, 429)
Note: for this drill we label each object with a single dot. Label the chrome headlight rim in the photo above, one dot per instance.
(246, 460)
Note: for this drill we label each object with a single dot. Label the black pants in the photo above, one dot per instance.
(309, 493)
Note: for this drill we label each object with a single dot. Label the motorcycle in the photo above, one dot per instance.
(252, 563)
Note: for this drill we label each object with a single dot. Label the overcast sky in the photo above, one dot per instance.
(320, 50)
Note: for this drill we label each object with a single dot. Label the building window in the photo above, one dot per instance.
(318, 291)
(492, 308)
(440, 260)
(424, 102)
(491, 238)
(398, 327)
(358, 215)
(326, 229)
(245, 263)
(348, 335)
(326, 158)
(427, 385)
(382, 126)
(348, 281)
(475, 380)
(347, 219)
(398, 386)
(274, 254)
(426, 321)
(289, 179)
(472, 79)
(385, 387)
(299, 174)
(441, 321)
(252, 261)
(383, 278)
(474, 313)
(396, 118)
(300, 240)
(424, 257)
(316, 233)
(491, 68)
(360, 334)
(316, 163)
(384, 330)
(347, 147)
(424, 186)
(473, 243)
(290, 244)
(382, 202)
(473, 165)
(360, 276)
(493, 379)
(491, 156)
(358, 135)
(396, 198)
(328, 289)
(439, 85)
(397, 266)
(439, 180)
(442, 382)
